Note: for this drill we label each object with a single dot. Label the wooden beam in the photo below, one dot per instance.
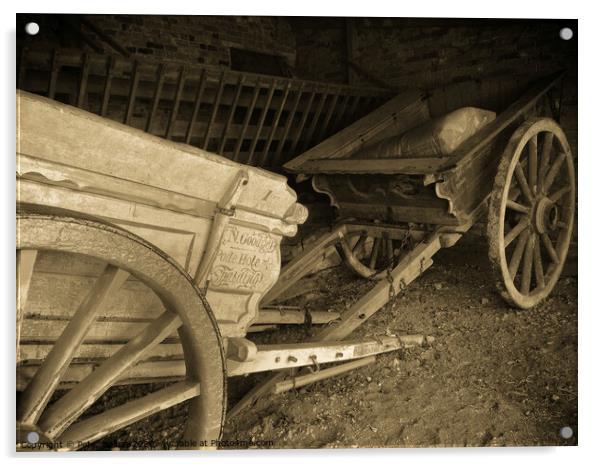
(197, 103)
(245, 124)
(264, 155)
(298, 316)
(156, 96)
(176, 102)
(300, 381)
(106, 94)
(239, 86)
(288, 356)
(216, 104)
(132, 95)
(261, 121)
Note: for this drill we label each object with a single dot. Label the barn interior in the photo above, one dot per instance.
(263, 90)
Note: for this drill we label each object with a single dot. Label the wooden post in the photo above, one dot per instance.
(55, 68)
(132, 96)
(303, 121)
(264, 155)
(156, 96)
(197, 103)
(261, 121)
(216, 103)
(287, 128)
(106, 94)
(297, 382)
(350, 48)
(176, 103)
(248, 115)
(222, 144)
(83, 83)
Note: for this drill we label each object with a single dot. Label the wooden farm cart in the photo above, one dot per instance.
(396, 213)
(143, 260)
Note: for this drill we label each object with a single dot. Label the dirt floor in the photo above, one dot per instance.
(494, 375)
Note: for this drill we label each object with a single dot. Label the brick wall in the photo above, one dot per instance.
(429, 53)
(183, 39)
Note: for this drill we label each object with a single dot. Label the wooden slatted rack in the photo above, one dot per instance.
(253, 119)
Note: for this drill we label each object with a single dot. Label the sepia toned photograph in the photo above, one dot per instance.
(295, 232)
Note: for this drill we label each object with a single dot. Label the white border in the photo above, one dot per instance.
(590, 155)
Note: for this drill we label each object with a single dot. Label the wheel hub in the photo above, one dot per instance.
(545, 216)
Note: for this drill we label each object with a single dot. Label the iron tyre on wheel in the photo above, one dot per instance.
(531, 212)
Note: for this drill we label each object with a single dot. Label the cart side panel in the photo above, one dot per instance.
(164, 192)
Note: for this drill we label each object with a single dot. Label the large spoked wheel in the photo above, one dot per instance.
(531, 212)
(371, 255)
(48, 414)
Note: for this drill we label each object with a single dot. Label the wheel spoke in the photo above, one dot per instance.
(558, 194)
(64, 412)
(357, 249)
(539, 275)
(26, 259)
(517, 254)
(100, 425)
(510, 204)
(390, 255)
(545, 157)
(547, 242)
(522, 182)
(533, 163)
(518, 228)
(47, 377)
(374, 253)
(554, 169)
(525, 282)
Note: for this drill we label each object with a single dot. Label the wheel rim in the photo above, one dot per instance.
(371, 256)
(60, 424)
(533, 216)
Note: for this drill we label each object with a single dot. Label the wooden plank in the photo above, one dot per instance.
(291, 355)
(261, 122)
(55, 68)
(301, 125)
(132, 94)
(216, 104)
(25, 263)
(329, 114)
(275, 316)
(301, 381)
(373, 166)
(341, 113)
(274, 128)
(176, 102)
(233, 106)
(156, 96)
(34, 353)
(106, 95)
(247, 119)
(353, 137)
(83, 83)
(288, 125)
(197, 104)
(314, 121)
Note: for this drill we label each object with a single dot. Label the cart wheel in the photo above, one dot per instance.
(384, 253)
(60, 418)
(531, 212)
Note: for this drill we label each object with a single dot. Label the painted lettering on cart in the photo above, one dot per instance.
(246, 259)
